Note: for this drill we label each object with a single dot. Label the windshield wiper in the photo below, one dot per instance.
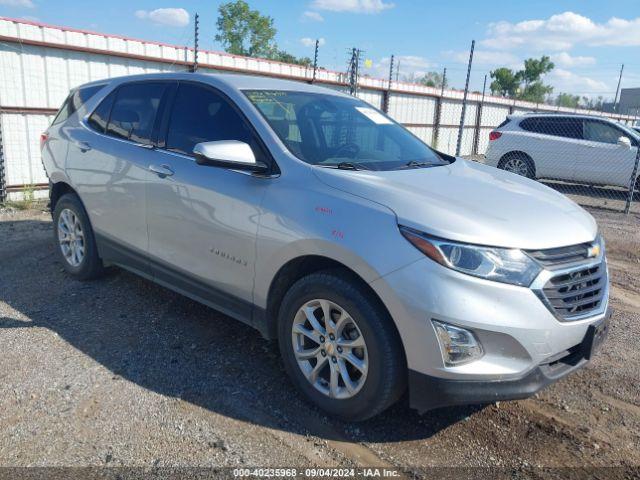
(415, 164)
(346, 166)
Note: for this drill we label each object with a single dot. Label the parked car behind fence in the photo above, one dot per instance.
(573, 148)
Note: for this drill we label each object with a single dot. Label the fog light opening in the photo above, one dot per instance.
(457, 345)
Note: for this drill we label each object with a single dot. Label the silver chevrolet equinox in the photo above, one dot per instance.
(379, 264)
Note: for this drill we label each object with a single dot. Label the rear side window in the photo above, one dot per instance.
(100, 116)
(134, 111)
(74, 101)
(202, 115)
(557, 126)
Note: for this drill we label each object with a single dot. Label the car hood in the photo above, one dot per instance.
(471, 202)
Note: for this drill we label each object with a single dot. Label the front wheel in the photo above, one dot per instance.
(340, 347)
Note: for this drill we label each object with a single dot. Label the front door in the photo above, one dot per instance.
(602, 160)
(203, 220)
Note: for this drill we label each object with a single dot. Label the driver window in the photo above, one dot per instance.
(600, 132)
(201, 115)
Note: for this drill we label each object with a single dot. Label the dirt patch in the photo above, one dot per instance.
(122, 372)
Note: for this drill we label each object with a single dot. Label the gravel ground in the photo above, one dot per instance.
(120, 372)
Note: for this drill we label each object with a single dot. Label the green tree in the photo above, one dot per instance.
(534, 69)
(282, 56)
(535, 92)
(505, 82)
(243, 31)
(593, 103)
(433, 79)
(567, 100)
(525, 84)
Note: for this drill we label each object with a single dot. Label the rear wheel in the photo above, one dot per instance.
(519, 164)
(75, 239)
(340, 347)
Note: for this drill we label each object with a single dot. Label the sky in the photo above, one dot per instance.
(587, 40)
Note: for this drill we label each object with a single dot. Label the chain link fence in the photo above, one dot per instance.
(593, 159)
(590, 156)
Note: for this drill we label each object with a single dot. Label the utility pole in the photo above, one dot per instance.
(196, 33)
(464, 100)
(615, 99)
(444, 81)
(315, 61)
(398, 71)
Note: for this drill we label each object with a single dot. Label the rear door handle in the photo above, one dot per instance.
(82, 146)
(161, 170)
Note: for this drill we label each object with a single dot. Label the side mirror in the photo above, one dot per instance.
(624, 142)
(231, 154)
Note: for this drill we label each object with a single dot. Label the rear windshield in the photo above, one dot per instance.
(74, 101)
(330, 130)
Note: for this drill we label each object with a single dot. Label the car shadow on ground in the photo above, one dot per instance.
(171, 345)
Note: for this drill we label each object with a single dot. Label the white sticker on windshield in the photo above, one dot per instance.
(375, 117)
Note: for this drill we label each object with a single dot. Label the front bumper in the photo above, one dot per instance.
(429, 392)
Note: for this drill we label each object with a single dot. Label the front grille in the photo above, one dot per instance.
(578, 292)
(576, 286)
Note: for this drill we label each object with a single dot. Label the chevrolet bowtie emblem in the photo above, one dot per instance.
(593, 251)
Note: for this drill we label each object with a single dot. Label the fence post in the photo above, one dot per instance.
(476, 136)
(632, 183)
(3, 189)
(387, 93)
(315, 62)
(464, 100)
(438, 109)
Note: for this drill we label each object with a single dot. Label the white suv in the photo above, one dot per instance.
(576, 148)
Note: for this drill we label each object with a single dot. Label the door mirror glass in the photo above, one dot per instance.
(624, 142)
(231, 154)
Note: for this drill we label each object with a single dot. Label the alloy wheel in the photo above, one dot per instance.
(330, 349)
(518, 166)
(71, 237)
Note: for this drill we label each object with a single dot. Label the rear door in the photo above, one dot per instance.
(203, 220)
(108, 161)
(602, 160)
(554, 145)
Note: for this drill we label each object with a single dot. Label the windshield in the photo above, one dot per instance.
(334, 131)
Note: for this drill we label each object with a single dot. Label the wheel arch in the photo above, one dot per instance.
(59, 189)
(304, 265)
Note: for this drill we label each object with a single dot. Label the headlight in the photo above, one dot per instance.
(506, 265)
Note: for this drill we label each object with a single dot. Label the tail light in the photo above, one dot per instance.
(43, 139)
(494, 135)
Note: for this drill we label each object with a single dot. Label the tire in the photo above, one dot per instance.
(70, 221)
(518, 163)
(386, 371)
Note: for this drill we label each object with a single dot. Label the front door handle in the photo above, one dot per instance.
(161, 170)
